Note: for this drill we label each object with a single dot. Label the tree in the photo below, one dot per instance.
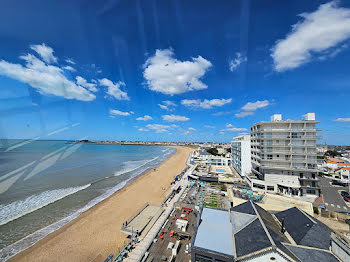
(213, 151)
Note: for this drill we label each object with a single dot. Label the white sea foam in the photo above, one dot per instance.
(26, 242)
(17, 209)
(130, 166)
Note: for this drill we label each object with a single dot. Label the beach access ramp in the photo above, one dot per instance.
(143, 220)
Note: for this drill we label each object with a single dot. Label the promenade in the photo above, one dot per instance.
(146, 241)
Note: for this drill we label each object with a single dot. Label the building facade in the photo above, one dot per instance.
(284, 156)
(240, 155)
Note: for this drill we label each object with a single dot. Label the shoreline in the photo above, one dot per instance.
(55, 243)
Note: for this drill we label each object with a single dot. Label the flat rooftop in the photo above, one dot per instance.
(215, 231)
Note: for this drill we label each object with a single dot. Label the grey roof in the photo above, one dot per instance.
(250, 239)
(215, 231)
(305, 254)
(305, 230)
(245, 207)
(253, 229)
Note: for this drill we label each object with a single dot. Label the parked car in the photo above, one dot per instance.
(346, 198)
(339, 183)
(344, 193)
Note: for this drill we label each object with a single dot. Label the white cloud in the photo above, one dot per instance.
(205, 104)
(173, 118)
(69, 68)
(316, 33)
(342, 120)
(82, 82)
(167, 105)
(143, 129)
(144, 118)
(45, 52)
(231, 128)
(70, 61)
(252, 106)
(114, 89)
(237, 61)
(115, 112)
(167, 75)
(207, 126)
(159, 128)
(244, 114)
(192, 129)
(47, 79)
(249, 108)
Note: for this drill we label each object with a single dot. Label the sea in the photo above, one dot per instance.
(46, 184)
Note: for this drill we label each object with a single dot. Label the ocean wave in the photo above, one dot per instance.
(17, 209)
(131, 166)
(28, 241)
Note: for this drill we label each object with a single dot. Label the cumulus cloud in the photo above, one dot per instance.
(47, 79)
(252, 106)
(249, 108)
(159, 128)
(317, 32)
(69, 68)
(167, 75)
(115, 112)
(205, 104)
(231, 128)
(144, 118)
(192, 129)
(114, 89)
(82, 82)
(173, 118)
(167, 105)
(207, 126)
(244, 114)
(45, 52)
(70, 61)
(237, 61)
(143, 129)
(342, 119)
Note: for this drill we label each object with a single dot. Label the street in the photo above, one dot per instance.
(331, 196)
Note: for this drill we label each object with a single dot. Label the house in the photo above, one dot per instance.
(247, 232)
(344, 172)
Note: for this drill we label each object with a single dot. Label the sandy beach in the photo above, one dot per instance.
(96, 233)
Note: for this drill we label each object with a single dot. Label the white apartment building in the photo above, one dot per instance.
(284, 156)
(240, 155)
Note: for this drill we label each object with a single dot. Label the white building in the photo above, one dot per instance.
(240, 155)
(284, 156)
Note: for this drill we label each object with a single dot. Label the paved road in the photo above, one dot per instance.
(332, 198)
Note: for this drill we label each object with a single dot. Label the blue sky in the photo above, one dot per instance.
(171, 70)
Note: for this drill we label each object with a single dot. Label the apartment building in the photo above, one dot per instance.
(240, 155)
(284, 156)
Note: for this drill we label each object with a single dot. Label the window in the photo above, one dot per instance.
(270, 188)
(301, 175)
(269, 156)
